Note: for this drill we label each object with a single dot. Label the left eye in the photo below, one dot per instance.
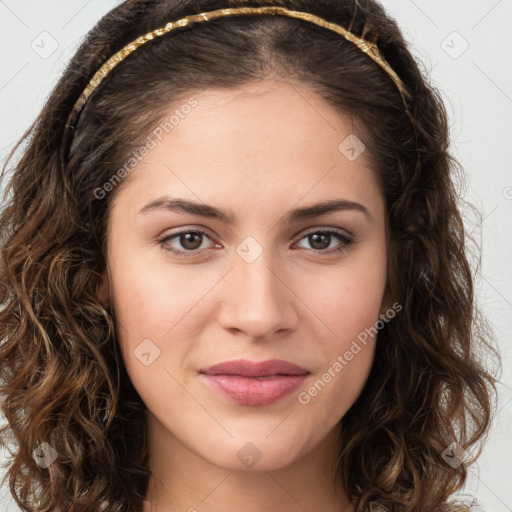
(191, 241)
(319, 237)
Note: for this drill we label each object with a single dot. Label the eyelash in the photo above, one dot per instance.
(347, 241)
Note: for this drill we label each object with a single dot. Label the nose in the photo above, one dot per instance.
(258, 299)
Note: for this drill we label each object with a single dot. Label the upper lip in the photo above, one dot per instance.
(245, 368)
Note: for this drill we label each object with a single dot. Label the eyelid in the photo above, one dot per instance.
(315, 229)
(347, 238)
(189, 229)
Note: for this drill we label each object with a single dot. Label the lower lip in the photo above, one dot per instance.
(254, 391)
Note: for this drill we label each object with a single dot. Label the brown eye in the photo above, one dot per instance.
(321, 240)
(189, 241)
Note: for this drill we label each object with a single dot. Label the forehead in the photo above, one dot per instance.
(254, 144)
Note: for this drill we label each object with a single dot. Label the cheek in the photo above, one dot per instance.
(348, 302)
(149, 300)
(351, 312)
(347, 298)
(158, 315)
(331, 393)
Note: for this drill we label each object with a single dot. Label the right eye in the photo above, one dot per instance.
(190, 241)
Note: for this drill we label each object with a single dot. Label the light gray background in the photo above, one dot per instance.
(38, 38)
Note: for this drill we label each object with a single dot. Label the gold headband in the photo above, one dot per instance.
(367, 47)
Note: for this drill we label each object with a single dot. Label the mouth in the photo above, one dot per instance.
(254, 383)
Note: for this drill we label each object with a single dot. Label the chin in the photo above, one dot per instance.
(256, 453)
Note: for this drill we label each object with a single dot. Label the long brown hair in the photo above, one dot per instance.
(62, 380)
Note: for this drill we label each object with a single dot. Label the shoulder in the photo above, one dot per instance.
(463, 504)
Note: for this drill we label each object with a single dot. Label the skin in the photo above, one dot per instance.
(260, 151)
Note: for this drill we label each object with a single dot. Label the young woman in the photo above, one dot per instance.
(233, 271)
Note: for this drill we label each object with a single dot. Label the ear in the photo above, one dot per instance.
(103, 289)
(387, 300)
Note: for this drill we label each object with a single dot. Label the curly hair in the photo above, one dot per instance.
(62, 380)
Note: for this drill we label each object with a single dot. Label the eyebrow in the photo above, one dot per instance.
(228, 216)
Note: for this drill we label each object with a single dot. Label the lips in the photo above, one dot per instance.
(244, 368)
(254, 383)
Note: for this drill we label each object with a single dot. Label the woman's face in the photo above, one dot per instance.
(273, 278)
